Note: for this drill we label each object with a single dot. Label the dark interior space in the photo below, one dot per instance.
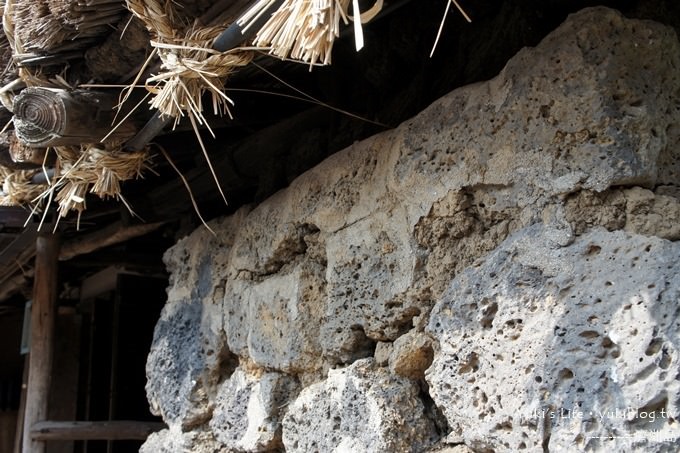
(117, 332)
(100, 357)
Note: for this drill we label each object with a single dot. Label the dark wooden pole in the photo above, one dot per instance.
(18, 439)
(106, 430)
(43, 314)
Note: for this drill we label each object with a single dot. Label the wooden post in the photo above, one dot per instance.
(18, 439)
(51, 117)
(43, 313)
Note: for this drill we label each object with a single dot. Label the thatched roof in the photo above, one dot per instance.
(191, 65)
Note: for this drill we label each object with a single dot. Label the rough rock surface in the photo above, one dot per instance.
(359, 408)
(521, 208)
(248, 413)
(174, 440)
(188, 357)
(562, 347)
(411, 355)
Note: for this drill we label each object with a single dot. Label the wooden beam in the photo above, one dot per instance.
(43, 313)
(102, 282)
(110, 235)
(51, 117)
(148, 263)
(15, 262)
(103, 430)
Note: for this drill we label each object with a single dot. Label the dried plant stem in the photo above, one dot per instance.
(441, 25)
(186, 184)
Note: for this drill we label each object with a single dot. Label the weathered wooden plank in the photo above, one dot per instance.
(94, 430)
(43, 313)
(110, 235)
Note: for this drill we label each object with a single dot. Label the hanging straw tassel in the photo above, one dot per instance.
(305, 30)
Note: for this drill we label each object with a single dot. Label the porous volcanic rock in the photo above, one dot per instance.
(566, 347)
(358, 408)
(536, 211)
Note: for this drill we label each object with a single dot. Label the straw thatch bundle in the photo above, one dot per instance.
(7, 70)
(190, 66)
(87, 17)
(40, 26)
(305, 30)
(97, 169)
(17, 188)
(35, 28)
(80, 170)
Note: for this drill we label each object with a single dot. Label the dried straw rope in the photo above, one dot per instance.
(17, 189)
(190, 65)
(80, 170)
(97, 169)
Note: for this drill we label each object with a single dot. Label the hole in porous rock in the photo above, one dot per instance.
(652, 415)
(432, 411)
(589, 334)
(471, 364)
(361, 345)
(505, 426)
(512, 323)
(393, 304)
(593, 249)
(559, 331)
(565, 374)
(665, 361)
(654, 346)
(488, 315)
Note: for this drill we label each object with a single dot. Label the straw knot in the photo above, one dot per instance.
(17, 188)
(190, 66)
(92, 168)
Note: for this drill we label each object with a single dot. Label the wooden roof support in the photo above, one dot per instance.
(104, 430)
(112, 234)
(43, 313)
(52, 117)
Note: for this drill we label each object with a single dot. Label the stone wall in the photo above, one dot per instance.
(499, 273)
